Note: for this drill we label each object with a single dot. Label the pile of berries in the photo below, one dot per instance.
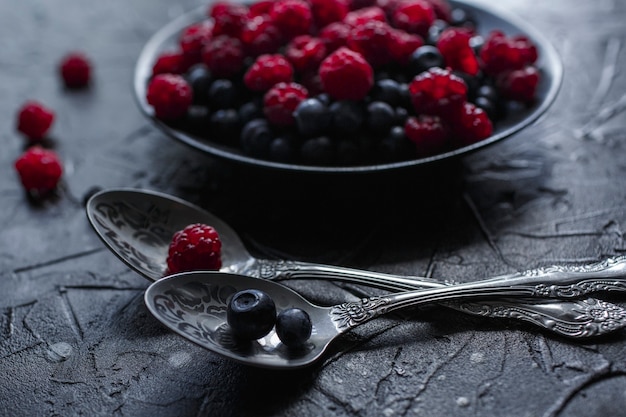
(341, 82)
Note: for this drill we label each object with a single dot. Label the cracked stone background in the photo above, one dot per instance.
(76, 339)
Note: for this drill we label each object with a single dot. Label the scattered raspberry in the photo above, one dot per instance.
(371, 40)
(34, 120)
(194, 38)
(415, 16)
(454, 45)
(75, 70)
(346, 75)
(326, 12)
(501, 53)
(438, 92)
(335, 36)
(305, 52)
(402, 45)
(360, 17)
(428, 134)
(293, 17)
(267, 71)
(261, 36)
(170, 95)
(471, 125)
(171, 62)
(196, 247)
(39, 170)
(280, 102)
(519, 85)
(229, 18)
(224, 56)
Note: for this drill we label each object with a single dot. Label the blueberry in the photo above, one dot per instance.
(250, 110)
(318, 151)
(198, 120)
(256, 137)
(396, 146)
(199, 78)
(223, 94)
(313, 117)
(401, 114)
(225, 125)
(293, 327)
(348, 152)
(348, 116)
(434, 31)
(472, 82)
(251, 314)
(461, 17)
(388, 91)
(488, 106)
(283, 149)
(324, 98)
(487, 91)
(424, 58)
(380, 117)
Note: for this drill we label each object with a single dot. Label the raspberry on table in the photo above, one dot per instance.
(293, 17)
(267, 71)
(39, 170)
(458, 54)
(280, 102)
(501, 53)
(438, 92)
(471, 125)
(223, 56)
(413, 16)
(346, 75)
(196, 247)
(75, 70)
(519, 85)
(34, 120)
(305, 52)
(170, 96)
(371, 40)
(428, 133)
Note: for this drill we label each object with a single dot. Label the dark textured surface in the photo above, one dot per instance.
(76, 339)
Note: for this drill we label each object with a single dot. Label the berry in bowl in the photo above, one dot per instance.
(345, 85)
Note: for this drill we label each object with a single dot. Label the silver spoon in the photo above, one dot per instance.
(194, 305)
(137, 226)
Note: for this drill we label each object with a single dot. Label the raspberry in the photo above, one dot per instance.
(75, 70)
(224, 56)
(471, 125)
(229, 18)
(305, 52)
(437, 92)
(196, 247)
(326, 12)
(359, 17)
(335, 36)
(39, 170)
(260, 8)
(261, 36)
(428, 134)
(194, 37)
(454, 45)
(34, 120)
(346, 75)
(280, 102)
(170, 95)
(519, 85)
(371, 40)
(442, 9)
(267, 71)
(413, 16)
(402, 45)
(171, 62)
(293, 17)
(501, 53)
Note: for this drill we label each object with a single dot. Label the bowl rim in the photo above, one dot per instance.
(549, 59)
